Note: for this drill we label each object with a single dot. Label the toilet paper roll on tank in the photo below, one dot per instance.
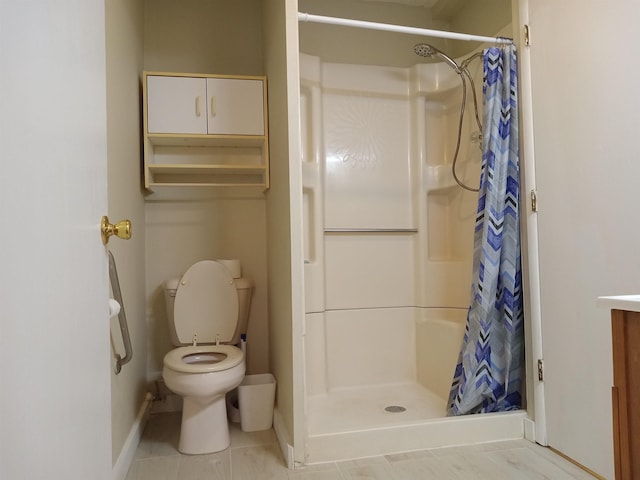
(233, 265)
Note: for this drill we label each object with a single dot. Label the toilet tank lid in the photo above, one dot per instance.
(241, 283)
(171, 283)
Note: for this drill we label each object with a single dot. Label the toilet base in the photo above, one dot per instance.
(204, 428)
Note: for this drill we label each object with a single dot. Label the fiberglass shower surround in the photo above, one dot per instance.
(386, 226)
(388, 249)
(388, 252)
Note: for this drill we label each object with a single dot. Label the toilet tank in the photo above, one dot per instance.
(244, 287)
(170, 286)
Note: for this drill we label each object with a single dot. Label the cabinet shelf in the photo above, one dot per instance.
(207, 169)
(167, 139)
(205, 130)
(207, 175)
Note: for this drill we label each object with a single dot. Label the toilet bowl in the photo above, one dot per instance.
(207, 310)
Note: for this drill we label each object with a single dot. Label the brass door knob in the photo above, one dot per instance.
(121, 229)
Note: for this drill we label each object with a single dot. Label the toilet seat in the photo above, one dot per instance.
(203, 358)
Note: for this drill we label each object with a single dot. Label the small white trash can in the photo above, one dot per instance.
(256, 395)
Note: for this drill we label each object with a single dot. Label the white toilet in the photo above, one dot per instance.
(207, 310)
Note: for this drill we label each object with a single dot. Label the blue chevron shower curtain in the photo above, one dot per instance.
(490, 369)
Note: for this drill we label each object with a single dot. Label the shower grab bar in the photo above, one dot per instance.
(370, 230)
(122, 317)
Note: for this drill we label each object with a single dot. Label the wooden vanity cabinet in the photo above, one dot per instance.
(626, 393)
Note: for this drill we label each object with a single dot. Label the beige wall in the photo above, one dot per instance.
(362, 46)
(585, 118)
(284, 230)
(196, 36)
(124, 25)
(483, 17)
(368, 47)
(221, 36)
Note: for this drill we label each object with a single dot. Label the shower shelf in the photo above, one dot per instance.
(205, 130)
(438, 177)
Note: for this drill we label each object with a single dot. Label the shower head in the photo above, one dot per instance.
(429, 51)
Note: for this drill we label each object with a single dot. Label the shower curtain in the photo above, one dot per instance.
(489, 373)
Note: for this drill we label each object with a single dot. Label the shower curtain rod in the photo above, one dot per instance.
(345, 22)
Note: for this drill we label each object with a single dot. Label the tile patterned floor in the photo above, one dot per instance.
(256, 456)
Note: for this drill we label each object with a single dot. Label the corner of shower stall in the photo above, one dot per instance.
(388, 252)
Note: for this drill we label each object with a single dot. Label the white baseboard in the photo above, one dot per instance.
(283, 439)
(127, 454)
(529, 430)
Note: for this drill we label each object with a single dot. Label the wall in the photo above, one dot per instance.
(284, 228)
(362, 46)
(585, 114)
(215, 36)
(487, 17)
(368, 47)
(220, 36)
(124, 30)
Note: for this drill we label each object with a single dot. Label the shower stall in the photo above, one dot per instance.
(388, 247)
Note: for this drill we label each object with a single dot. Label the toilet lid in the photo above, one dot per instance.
(206, 304)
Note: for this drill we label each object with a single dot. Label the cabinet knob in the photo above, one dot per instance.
(122, 229)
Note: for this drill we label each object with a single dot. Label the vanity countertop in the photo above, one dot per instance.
(630, 303)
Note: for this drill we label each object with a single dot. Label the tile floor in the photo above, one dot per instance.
(256, 456)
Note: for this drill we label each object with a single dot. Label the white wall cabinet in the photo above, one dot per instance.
(205, 130)
(235, 107)
(176, 104)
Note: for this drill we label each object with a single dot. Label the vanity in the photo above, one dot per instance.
(625, 326)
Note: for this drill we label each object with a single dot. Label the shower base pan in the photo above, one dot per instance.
(378, 420)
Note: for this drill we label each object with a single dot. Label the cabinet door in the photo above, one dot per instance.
(176, 105)
(626, 380)
(236, 106)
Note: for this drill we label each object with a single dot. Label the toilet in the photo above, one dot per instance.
(207, 311)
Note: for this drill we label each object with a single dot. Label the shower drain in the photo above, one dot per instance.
(395, 409)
